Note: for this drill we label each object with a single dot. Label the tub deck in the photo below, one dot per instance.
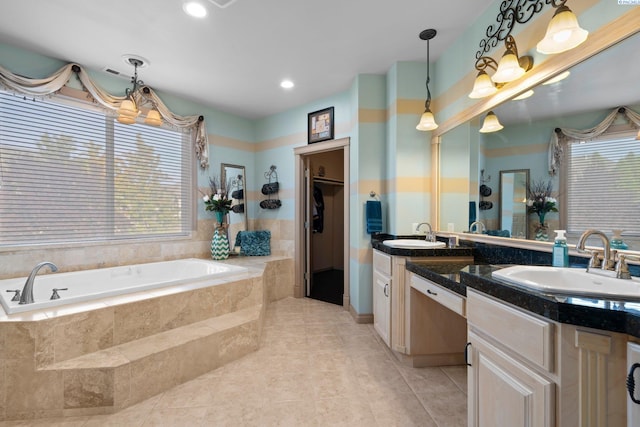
(93, 359)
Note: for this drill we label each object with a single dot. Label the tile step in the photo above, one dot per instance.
(119, 376)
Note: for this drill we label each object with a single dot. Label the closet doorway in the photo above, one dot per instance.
(322, 221)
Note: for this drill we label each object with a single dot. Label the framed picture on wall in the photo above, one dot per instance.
(320, 125)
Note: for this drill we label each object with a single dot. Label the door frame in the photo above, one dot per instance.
(300, 250)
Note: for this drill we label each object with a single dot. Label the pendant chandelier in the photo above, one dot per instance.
(129, 111)
(427, 121)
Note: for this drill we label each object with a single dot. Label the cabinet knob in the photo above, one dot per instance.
(386, 289)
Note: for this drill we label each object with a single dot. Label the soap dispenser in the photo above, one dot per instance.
(617, 242)
(560, 256)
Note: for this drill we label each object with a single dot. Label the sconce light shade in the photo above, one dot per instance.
(153, 118)
(563, 33)
(491, 123)
(509, 68)
(525, 95)
(427, 121)
(483, 86)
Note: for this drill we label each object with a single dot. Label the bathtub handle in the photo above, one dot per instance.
(16, 296)
(55, 295)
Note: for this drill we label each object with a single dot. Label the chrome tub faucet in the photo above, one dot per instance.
(27, 292)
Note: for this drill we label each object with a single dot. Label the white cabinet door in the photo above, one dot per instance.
(504, 392)
(382, 305)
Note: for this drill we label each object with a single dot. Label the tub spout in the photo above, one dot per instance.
(27, 291)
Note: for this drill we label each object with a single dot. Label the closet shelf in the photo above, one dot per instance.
(325, 180)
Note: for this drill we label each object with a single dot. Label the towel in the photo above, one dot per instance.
(373, 214)
(254, 243)
(472, 213)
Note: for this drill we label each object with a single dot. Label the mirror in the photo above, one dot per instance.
(528, 125)
(513, 203)
(234, 176)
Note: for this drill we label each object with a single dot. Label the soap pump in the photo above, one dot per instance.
(617, 242)
(560, 257)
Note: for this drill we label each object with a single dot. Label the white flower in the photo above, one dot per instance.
(205, 198)
(529, 202)
(550, 199)
(217, 197)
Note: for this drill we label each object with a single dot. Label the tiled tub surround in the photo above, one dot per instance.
(99, 357)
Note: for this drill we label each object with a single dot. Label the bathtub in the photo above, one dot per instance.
(90, 285)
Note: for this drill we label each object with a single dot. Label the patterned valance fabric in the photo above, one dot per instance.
(562, 136)
(54, 82)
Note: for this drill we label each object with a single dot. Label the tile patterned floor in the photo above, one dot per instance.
(316, 367)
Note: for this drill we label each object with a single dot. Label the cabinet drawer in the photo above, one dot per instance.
(441, 295)
(525, 334)
(382, 262)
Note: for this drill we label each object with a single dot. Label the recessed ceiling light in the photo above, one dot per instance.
(286, 84)
(195, 9)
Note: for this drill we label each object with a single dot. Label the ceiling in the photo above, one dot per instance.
(234, 59)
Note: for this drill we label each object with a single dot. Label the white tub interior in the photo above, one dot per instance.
(90, 285)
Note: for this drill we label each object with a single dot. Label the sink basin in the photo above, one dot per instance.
(570, 281)
(413, 244)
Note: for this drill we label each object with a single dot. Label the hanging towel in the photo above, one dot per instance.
(472, 213)
(373, 214)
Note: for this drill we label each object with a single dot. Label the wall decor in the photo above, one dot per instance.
(320, 125)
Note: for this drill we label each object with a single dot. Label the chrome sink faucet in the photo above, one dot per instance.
(27, 291)
(430, 237)
(477, 224)
(607, 260)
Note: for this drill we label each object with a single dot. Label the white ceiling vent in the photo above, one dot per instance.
(222, 3)
(114, 72)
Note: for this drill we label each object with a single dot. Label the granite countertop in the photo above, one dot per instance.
(376, 243)
(609, 315)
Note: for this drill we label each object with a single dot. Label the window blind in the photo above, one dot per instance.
(70, 173)
(603, 184)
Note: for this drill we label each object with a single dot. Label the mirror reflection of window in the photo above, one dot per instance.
(602, 188)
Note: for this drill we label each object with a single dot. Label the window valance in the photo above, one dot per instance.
(561, 136)
(53, 83)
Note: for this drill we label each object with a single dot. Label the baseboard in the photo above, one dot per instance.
(360, 318)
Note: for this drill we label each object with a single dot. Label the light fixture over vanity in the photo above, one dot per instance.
(563, 33)
(427, 121)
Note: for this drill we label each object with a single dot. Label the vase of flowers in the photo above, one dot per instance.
(540, 202)
(218, 201)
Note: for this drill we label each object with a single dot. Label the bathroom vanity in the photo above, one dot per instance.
(419, 329)
(533, 358)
